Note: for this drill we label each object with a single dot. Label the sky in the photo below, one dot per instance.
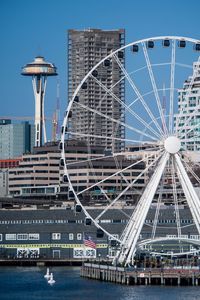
(39, 27)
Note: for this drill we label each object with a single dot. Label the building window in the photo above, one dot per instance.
(71, 236)
(79, 236)
(22, 236)
(34, 236)
(0, 237)
(56, 236)
(194, 237)
(10, 236)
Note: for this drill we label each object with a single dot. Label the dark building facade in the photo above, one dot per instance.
(85, 49)
(58, 234)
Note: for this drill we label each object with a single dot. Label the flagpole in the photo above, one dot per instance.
(83, 256)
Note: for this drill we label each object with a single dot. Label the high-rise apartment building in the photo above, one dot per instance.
(188, 116)
(85, 49)
(15, 139)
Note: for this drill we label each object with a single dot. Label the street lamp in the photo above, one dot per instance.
(107, 258)
(99, 258)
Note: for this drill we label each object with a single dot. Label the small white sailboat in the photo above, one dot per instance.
(47, 275)
(51, 280)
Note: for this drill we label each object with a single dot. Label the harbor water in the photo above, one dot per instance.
(28, 283)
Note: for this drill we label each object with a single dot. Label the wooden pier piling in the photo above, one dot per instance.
(132, 276)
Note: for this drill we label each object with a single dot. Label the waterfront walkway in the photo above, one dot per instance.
(40, 262)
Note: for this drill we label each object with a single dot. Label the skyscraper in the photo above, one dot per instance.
(15, 139)
(85, 49)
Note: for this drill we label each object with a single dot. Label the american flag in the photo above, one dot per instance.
(88, 242)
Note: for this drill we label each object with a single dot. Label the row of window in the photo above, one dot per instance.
(36, 236)
(57, 236)
(64, 221)
(21, 236)
(34, 178)
(6, 222)
(185, 236)
(79, 236)
(164, 221)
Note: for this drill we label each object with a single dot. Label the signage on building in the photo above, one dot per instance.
(84, 253)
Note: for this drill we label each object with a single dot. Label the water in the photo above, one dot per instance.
(28, 283)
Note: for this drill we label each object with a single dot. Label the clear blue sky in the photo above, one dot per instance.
(32, 27)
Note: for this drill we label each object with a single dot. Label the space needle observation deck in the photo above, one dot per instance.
(39, 69)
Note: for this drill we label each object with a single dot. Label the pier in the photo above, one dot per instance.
(150, 276)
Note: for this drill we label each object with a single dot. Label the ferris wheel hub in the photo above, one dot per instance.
(172, 144)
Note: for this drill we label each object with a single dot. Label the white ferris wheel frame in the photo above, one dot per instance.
(130, 235)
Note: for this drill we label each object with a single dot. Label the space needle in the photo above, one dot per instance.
(39, 69)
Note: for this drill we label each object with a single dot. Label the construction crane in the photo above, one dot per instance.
(56, 117)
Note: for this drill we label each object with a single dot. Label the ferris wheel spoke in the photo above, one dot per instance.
(183, 65)
(187, 158)
(153, 82)
(103, 191)
(191, 196)
(157, 147)
(171, 106)
(118, 166)
(189, 162)
(191, 171)
(110, 201)
(153, 65)
(140, 97)
(127, 108)
(155, 221)
(143, 68)
(128, 187)
(193, 202)
(190, 138)
(178, 223)
(124, 177)
(149, 93)
(187, 123)
(116, 121)
(95, 158)
(114, 174)
(108, 137)
(136, 222)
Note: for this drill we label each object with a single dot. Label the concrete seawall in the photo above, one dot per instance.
(40, 262)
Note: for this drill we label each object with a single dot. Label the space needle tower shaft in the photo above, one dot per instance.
(39, 69)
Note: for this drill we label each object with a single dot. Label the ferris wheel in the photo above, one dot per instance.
(139, 121)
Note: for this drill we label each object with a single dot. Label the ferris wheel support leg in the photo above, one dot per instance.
(189, 191)
(138, 217)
